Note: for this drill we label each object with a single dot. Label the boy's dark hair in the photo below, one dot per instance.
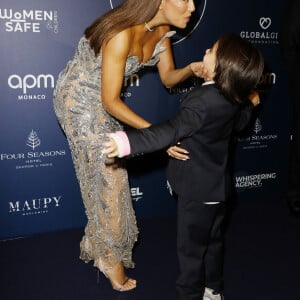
(239, 66)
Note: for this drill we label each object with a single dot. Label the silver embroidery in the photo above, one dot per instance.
(111, 229)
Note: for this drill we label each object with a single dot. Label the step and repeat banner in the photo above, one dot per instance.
(38, 188)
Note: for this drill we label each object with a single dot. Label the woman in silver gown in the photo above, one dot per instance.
(88, 105)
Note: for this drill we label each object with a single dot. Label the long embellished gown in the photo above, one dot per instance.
(111, 229)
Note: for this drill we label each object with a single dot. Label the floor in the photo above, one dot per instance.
(262, 260)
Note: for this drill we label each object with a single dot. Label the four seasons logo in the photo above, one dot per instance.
(33, 141)
(257, 126)
(34, 158)
(258, 140)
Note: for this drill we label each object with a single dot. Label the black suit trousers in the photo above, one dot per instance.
(199, 248)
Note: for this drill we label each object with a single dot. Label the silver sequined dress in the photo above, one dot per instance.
(111, 229)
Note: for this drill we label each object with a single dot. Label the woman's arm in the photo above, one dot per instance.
(171, 76)
(114, 55)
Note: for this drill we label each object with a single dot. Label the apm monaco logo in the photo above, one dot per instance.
(258, 139)
(132, 81)
(266, 82)
(25, 21)
(263, 35)
(181, 34)
(35, 206)
(33, 158)
(268, 79)
(27, 82)
(253, 181)
(136, 194)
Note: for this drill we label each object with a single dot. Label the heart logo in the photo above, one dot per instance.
(265, 23)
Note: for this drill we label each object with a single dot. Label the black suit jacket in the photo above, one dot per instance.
(203, 125)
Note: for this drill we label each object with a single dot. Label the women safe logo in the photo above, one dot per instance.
(29, 20)
(181, 34)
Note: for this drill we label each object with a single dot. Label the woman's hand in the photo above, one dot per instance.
(254, 98)
(178, 152)
(199, 70)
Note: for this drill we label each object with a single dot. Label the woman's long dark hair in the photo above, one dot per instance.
(127, 14)
(239, 66)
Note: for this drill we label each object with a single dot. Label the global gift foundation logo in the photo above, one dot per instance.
(34, 158)
(258, 139)
(263, 34)
(265, 23)
(29, 20)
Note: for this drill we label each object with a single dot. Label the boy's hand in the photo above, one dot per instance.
(110, 148)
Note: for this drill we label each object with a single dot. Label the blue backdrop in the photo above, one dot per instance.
(39, 191)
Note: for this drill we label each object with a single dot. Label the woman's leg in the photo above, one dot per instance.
(111, 229)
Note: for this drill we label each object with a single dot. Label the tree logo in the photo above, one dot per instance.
(257, 126)
(33, 140)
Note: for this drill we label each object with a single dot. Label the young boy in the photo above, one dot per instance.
(204, 125)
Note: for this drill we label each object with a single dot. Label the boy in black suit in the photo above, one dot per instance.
(204, 124)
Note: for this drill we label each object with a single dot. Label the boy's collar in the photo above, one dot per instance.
(208, 82)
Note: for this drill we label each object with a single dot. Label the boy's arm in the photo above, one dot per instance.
(188, 120)
(244, 115)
